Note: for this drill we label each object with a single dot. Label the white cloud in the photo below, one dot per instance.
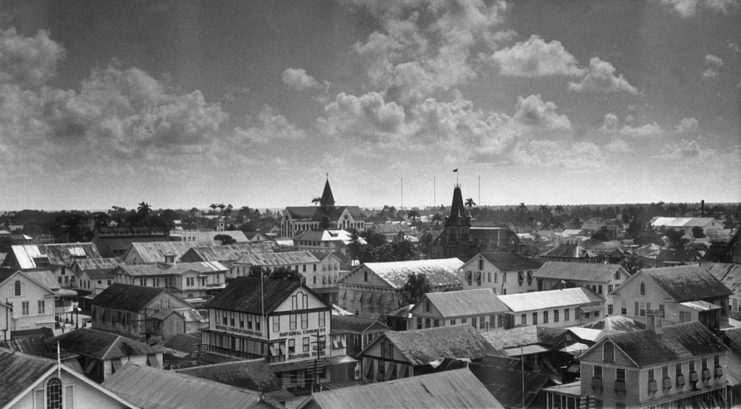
(687, 125)
(601, 78)
(298, 79)
(688, 8)
(536, 112)
(618, 146)
(684, 149)
(267, 127)
(368, 116)
(643, 131)
(536, 58)
(28, 60)
(712, 66)
(611, 123)
(557, 154)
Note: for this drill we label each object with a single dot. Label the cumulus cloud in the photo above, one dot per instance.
(643, 131)
(28, 61)
(368, 115)
(611, 123)
(548, 153)
(684, 149)
(536, 112)
(601, 77)
(618, 146)
(687, 125)
(688, 8)
(298, 79)
(536, 58)
(267, 127)
(712, 66)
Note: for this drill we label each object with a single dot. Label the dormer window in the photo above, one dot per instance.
(643, 289)
(17, 288)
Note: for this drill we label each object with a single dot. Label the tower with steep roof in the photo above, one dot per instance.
(327, 197)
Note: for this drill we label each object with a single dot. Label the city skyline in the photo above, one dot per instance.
(183, 104)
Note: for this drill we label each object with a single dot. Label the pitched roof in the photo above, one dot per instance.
(677, 342)
(229, 252)
(100, 344)
(526, 335)
(456, 388)
(253, 374)
(592, 272)
(351, 323)
(506, 384)
(669, 222)
(285, 258)
(61, 254)
(327, 198)
(686, 283)
(616, 323)
(177, 269)
(244, 294)
(87, 264)
(550, 299)
(154, 388)
(506, 261)
(422, 346)
(439, 271)
(187, 343)
(327, 235)
(206, 238)
(155, 251)
(567, 250)
(729, 274)
(465, 302)
(18, 372)
(127, 297)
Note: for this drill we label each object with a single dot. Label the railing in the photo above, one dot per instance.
(666, 384)
(718, 371)
(620, 387)
(680, 381)
(652, 386)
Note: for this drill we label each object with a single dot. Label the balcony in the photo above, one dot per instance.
(706, 375)
(597, 384)
(718, 371)
(666, 384)
(620, 388)
(652, 386)
(680, 382)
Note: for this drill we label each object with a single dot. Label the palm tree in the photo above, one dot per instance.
(221, 207)
(316, 201)
(470, 203)
(413, 214)
(144, 209)
(437, 219)
(213, 206)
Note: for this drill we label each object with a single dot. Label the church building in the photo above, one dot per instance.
(327, 215)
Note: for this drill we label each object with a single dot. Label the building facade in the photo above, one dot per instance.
(503, 272)
(187, 280)
(481, 308)
(555, 308)
(30, 304)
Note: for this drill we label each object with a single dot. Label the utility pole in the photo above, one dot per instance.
(319, 352)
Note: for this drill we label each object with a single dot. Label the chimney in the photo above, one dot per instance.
(170, 258)
(702, 208)
(653, 321)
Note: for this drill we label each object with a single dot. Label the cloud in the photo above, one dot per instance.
(610, 124)
(267, 127)
(643, 131)
(535, 112)
(734, 47)
(688, 8)
(536, 58)
(712, 64)
(683, 149)
(28, 61)
(687, 125)
(298, 79)
(556, 154)
(368, 116)
(618, 146)
(601, 78)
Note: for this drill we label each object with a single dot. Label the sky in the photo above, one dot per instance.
(253, 103)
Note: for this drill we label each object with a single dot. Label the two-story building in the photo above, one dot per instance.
(373, 289)
(680, 294)
(504, 272)
(225, 255)
(480, 307)
(326, 241)
(115, 241)
(555, 308)
(282, 321)
(126, 309)
(92, 275)
(55, 258)
(28, 303)
(675, 366)
(349, 336)
(300, 261)
(601, 278)
(187, 280)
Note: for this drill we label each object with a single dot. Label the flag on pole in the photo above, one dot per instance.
(455, 170)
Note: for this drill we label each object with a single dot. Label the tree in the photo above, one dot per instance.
(225, 239)
(676, 239)
(470, 203)
(316, 201)
(213, 207)
(438, 219)
(602, 234)
(416, 286)
(144, 209)
(413, 214)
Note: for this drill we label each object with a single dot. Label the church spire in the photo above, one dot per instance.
(327, 197)
(457, 210)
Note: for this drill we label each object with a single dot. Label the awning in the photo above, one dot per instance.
(700, 305)
(575, 349)
(590, 308)
(525, 350)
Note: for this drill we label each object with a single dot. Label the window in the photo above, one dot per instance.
(427, 323)
(620, 375)
(481, 264)
(535, 318)
(566, 314)
(482, 323)
(42, 307)
(436, 323)
(529, 277)
(427, 305)
(365, 275)
(685, 316)
(643, 289)
(54, 393)
(276, 324)
(17, 288)
(24, 308)
(473, 322)
(597, 372)
(304, 321)
(452, 322)
(464, 320)
(545, 317)
(306, 344)
(609, 309)
(608, 352)
(292, 320)
(488, 275)
(291, 346)
(419, 322)
(322, 319)
(303, 268)
(523, 319)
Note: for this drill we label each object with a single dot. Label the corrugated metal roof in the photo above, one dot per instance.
(464, 302)
(327, 235)
(457, 388)
(229, 252)
(206, 238)
(422, 346)
(101, 345)
(351, 323)
(440, 272)
(591, 272)
(244, 294)
(155, 251)
(286, 258)
(616, 323)
(686, 283)
(700, 305)
(95, 264)
(60, 254)
(126, 297)
(154, 388)
(669, 222)
(177, 269)
(729, 274)
(507, 261)
(19, 371)
(253, 374)
(550, 299)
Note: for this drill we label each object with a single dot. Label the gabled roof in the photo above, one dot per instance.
(684, 222)
(127, 297)
(206, 238)
(101, 345)
(550, 299)
(177, 269)
(285, 258)
(351, 323)
(244, 294)
(253, 374)
(591, 272)
(7, 275)
(681, 341)
(506, 261)
(465, 302)
(154, 388)
(422, 346)
(684, 283)
(327, 235)
(526, 335)
(616, 323)
(567, 250)
(506, 383)
(61, 254)
(155, 251)
(21, 372)
(440, 272)
(229, 252)
(87, 264)
(729, 274)
(456, 388)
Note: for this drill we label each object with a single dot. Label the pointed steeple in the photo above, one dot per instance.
(327, 197)
(457, 210)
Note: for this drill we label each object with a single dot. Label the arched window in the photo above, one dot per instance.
(608, 350)
(54, 394)
(643, 289)
(17, 287)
